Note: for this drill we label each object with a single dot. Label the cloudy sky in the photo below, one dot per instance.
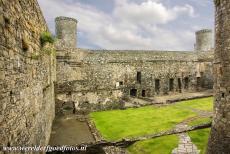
(133, 24)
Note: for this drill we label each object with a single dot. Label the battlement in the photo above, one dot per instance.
(204, 31)
(65, 18)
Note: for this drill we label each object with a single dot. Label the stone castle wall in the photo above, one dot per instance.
(97, 78)
(86, 79)
(26, 81)
(219, 140)
(100, 79)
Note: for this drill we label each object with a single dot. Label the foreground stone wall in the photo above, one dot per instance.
(219, 140)
(26, 80)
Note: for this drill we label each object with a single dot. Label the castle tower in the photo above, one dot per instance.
(66, 31)
(203, 40)
(219, 140)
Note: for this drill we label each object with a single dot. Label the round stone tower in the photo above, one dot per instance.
(66, 31)
(203, 40)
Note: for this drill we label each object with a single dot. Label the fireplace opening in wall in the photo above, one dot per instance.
(133, 92)
(143, 94)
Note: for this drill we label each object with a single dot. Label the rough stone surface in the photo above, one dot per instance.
(203, 40)
(99, 80)
(26, 84)
(66, 30)
(185, 145)
(114, 150)
(219, 140)
(88, 79)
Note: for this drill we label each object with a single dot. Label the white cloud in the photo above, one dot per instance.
(129, 26)
(150, 12)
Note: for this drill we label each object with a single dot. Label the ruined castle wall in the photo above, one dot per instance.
(219, 140)
(94, 76)
(26, 81)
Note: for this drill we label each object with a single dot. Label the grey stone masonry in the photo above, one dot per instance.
(203, 40)
(26, 82)
(185, 145)
(219, 141)
(66, 30)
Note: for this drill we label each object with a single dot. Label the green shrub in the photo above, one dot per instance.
(35, 56)
(48, 51)
(46, 37)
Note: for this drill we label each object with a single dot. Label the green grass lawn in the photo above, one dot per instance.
(162, 145)
(200, 121)
(198, 104)
(118, 124)
(200, 139)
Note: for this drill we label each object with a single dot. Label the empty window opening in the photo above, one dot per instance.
(25, 45)
(143, 93)
(157, 85)
(119, 84)
(186, 83)
(223, 95)
(133, 92)
(139, 77)
(7, 21)
(171, 84)
(179, 84)
(220, 71)
(198, 82)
